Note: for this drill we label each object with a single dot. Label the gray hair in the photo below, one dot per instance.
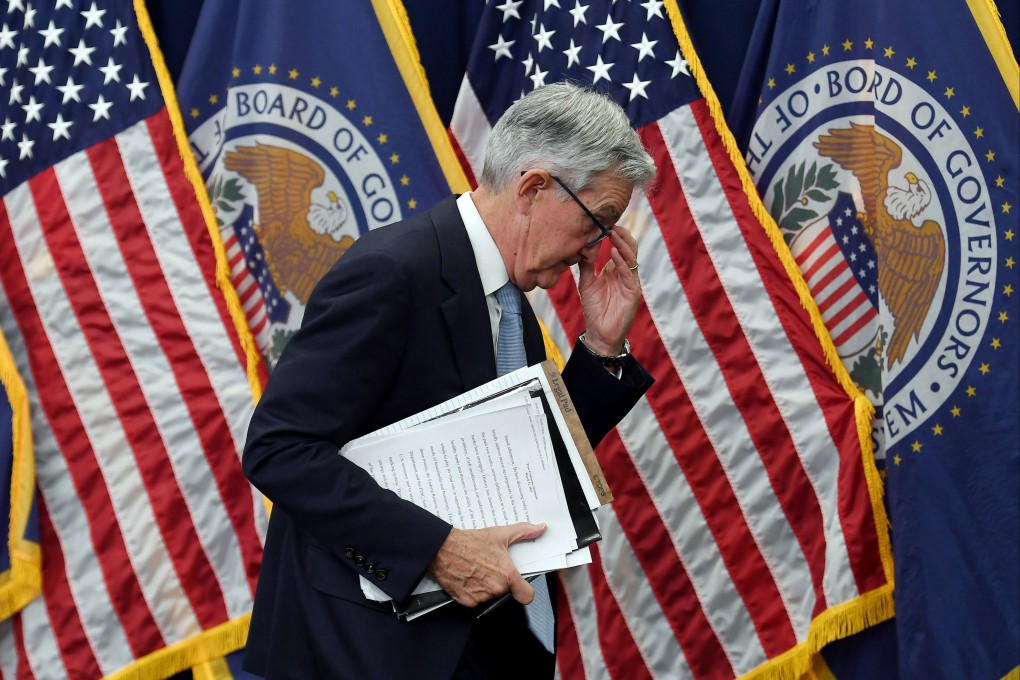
(572, 132)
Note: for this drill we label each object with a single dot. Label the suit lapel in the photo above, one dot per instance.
(465, 311)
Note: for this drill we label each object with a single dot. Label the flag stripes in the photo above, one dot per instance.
(136, 429)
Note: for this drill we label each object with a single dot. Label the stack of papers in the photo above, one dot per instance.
(509, 451)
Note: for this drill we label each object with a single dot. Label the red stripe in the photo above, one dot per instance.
(247, 294)
(118, 374)
(813, 246)
(657, 556)
(857, 521)
(465, 164)
(75, 650)
(230, 480)
(257, 328)
(823, 259)
(826, 303)
(865, 319)
(620, 652)
(193, 222)
(747, 386)
(848, 309)
(568, 649)
(24, 670)
(838, 270)
(62, 415)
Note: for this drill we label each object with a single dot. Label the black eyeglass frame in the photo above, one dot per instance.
(603, 231)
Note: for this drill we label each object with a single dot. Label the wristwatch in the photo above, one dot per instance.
(613, 361)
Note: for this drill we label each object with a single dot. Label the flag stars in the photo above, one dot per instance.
(965, 111)
(931, 77)
(7, 129)
(52, 35)
(42, 72)
(366, 121)
(601, 70)
(578, 13)
(405, 180)
(3, 167)
(382, 138)
(502, 48)
(572, 53)
(93, 16)
(825, 50)
(896, 459)
(32, 110)
(811, 57)
(653, 8)
(412, 204)
(889, 52)
(610, 30)
(257, 69)
(916, 446)
(772, 83)
(111, 71)
(847, 45)
(790, 69)
(869, 44)
(999, 181)
(979, 132)
(70, 90)
(334, 91)
(213, 99)
(60, 127)
(645, 47)
(955, 411)
(25, 147)
(636, 87)
(22, 55)
(1003, 317)
(101, 109)
(351, 104)
(996, 343)
(119, 33)
(194, 113)
(1009, 232)
(1007, 290)
(538, 77)
(911, 63)
(971, 391)
(1009, 263)
(509, 9)
(985, 369)
(678, 64)
(29, 17)
(543, 37)
(394, 158)
(7, 35)
(273, 69)
(235, 72)
(1006, 206)
(949, 93)
(82, 53)
(137, 88)
(316, 82)
(937, 430)
(293, 74)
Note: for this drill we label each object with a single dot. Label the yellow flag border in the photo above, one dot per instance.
(22, 582)
(986, 16)
(875, 606)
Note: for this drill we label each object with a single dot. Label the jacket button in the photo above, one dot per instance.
(369, 567)
(380, 574)
(349, 553)
(359, 560)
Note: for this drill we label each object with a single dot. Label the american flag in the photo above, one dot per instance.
(139, 388)
(748, 528)
(840, 266)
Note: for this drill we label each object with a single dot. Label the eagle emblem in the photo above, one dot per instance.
(301, 239)
(910, 251)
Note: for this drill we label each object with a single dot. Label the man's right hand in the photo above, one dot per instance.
(474, 565)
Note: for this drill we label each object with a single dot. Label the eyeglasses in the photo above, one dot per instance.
(603, 231)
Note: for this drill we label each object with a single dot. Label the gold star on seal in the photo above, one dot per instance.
(931, 77)
(990, 156)
(257, 69)
(916, 446)
(847, 45)
(911, 63)
(979, 133)
(772, 83)
(985, 369)
(382, 138)
(1009, 262)
(790, 69)
(825, 50)
(999, 181)
(194, 113)
(412, 204)
(236, 72)
(213, 99)
(937, 430)
(272, 69)
(316, 81)
(394, 158)
(955, 411)
(965, 111)
(367, 120)
(971, 391)
(1007, 290)
(405, 180)
(896, 459)
(334, 91)
(1006, 206)
(949, 93)
(869, 43)
(889, 51)
(811, 57)
(293, 74)
(1003, 317)
(351, 105)
(996, 343)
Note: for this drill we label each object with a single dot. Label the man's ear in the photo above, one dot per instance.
(527, 189)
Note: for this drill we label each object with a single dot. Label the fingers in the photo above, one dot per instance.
(521, 590)
(522, 531)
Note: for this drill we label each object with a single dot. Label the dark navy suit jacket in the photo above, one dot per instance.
(397, 326)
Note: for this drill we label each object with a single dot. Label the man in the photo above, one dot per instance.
(409, 318)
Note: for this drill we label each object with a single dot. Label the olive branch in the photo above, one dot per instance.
(794, 192)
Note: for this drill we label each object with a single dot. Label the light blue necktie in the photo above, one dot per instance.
(509, 357)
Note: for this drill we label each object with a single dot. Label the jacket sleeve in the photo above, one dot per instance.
(333, 374)
(602, 400)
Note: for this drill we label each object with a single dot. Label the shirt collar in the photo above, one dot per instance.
(487, 257)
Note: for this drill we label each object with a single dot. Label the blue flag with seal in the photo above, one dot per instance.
(311, 122)
(885, 141)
